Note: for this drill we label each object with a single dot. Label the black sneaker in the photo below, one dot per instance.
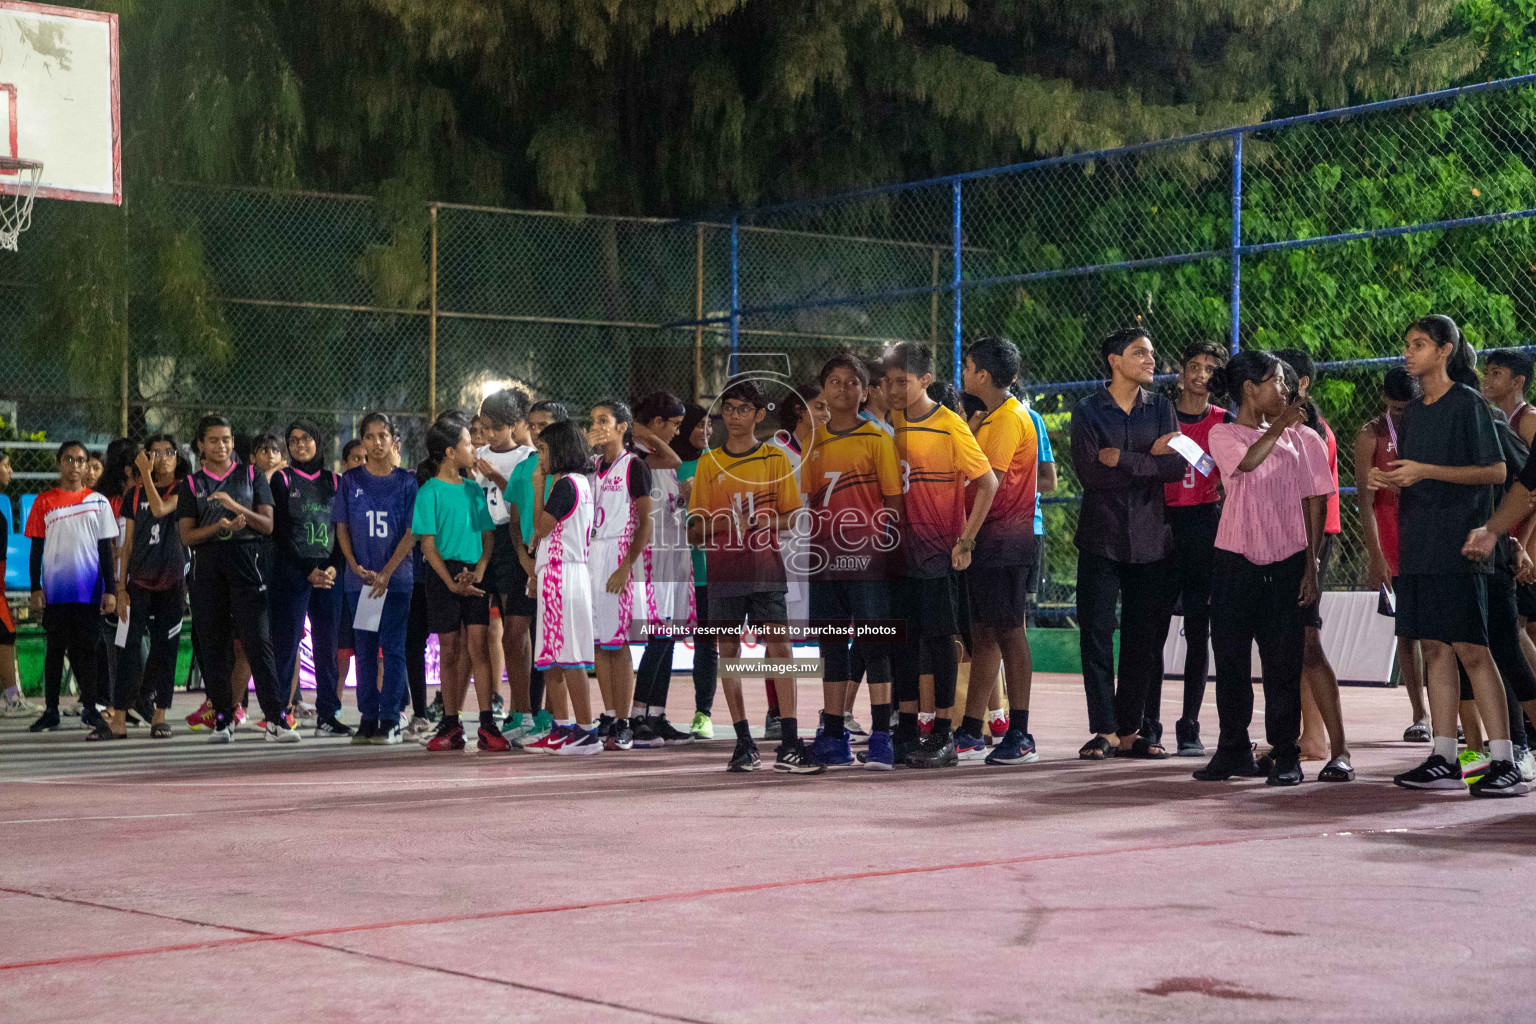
(645, 735)
(1286, 772)
(604, 727)
(1435, 773)
(1501, 779)
(364, 734)
(1189, 739)
(435, 709)
(773, 727)
(46, 722)
(331, 726)
(902, 748)
(623, 735)
(745, 758)
(932, 753)
(797, 759)
(1227, 765)
(669, 733)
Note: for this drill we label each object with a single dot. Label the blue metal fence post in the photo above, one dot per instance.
(1237, 238)
(735, 289)
(954, 287)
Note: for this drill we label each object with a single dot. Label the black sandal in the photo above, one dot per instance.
(1144, 749)
(1096, 749)
(1337, 770)
(160, 731)
(103, 732)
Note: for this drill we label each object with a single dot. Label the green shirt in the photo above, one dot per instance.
(454, 516)
(686, 472)
(519, 492)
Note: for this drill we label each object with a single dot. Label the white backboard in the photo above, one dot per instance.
(59, 99)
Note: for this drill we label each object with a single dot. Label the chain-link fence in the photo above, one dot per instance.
(1327, 233)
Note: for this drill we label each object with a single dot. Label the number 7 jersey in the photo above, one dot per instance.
(846, 478)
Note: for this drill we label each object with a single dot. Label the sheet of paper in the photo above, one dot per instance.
(121, 638)
(1192, 453)
(370, 610)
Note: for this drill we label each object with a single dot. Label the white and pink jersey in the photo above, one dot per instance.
(613, 530)
(563, 635)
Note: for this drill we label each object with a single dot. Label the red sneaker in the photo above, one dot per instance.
(493, 741)
(202, 718)
(453, 739)
(997, 723)
(550, 741)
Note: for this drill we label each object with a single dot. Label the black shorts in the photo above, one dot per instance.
(1449, 607)
(504, 576)
(1312, 614)
(1525, 600)
(447, 611)
(929, 605)
(1036, 567)
(345, 640)
(849, 600)
(760, 608)
(999, 596)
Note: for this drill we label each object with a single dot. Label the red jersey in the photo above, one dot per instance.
(1195, 489)
(1385, 504)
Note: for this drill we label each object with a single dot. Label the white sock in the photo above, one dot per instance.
(565, 723)
(636, 710)
(611, 714)
(1445, 746)
(587, 727)
(655, 711)
(924, 716)
(1502, 750)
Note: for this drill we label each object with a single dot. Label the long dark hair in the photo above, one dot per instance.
(183, 467)
(622, 415)
(1248, 366)
(114, 468)
(1442, 330)
(442, 437)
(795, 405)
(568, 451)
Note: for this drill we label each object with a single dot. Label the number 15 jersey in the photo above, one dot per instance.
(376, 511)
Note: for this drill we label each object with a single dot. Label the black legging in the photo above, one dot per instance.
(654, 677)
(73, 630)
(706, 660)
(416, 634)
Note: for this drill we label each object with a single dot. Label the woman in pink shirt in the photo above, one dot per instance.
(1265, 569)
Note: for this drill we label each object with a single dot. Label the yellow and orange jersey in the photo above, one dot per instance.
(1007, 437)
(939, 456)
(846, 478)
(755, 483)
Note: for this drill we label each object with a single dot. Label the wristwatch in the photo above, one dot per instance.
(966, 545)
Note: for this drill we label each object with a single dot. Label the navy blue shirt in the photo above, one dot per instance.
(377, 512)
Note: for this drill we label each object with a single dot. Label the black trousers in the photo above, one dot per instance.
(416, 633)
(1194, 548)
(229, 599)
(654, 676)
(1144, 594)
(1258, 603)
(157, 615)
(73, 630)
(706, 659)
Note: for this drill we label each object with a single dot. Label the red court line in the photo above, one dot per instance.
(677, 896)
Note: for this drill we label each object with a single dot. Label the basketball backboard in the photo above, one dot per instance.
(59, 100)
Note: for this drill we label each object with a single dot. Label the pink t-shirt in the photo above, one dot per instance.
(1262, 519)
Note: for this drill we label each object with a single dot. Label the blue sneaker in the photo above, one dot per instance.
(881, 756)
(832, 752)
(970, 748)
(1017, 748)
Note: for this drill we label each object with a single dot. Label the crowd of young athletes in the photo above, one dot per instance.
(537, 552)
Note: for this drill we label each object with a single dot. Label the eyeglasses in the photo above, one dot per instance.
(74, 460)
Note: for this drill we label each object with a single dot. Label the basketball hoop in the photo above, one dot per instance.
(16, 198)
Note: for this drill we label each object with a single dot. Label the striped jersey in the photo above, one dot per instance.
(70, 524)
(757, 482)
(1007, 437)
(846, 478)
(939, 456)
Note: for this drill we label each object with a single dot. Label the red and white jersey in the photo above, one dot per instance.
(614, 509)
(568, 542)
(1193, 488)
(70, 523)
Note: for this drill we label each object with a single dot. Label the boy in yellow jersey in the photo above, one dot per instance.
(744, 494)
(939, 458)
(853, 489)
(997, 582)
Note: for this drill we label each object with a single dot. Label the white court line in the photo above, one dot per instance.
(247, 783)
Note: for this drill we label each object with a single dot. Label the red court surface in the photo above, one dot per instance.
(321, 882)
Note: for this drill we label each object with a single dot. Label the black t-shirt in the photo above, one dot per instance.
(301, 515)
(639, 479)
(562, 498)
(244, 483)
(158, 561)
(1434, 517)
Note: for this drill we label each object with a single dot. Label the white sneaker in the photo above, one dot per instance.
(387, 737)
(1527, 766)
(20, 707)
(305, 710)
(224, 735)
(278, 732)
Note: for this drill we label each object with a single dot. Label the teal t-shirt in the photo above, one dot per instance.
(454, 517)
(519, 492)
(686, 472)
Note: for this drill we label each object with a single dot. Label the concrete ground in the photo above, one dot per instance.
(319, 882)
